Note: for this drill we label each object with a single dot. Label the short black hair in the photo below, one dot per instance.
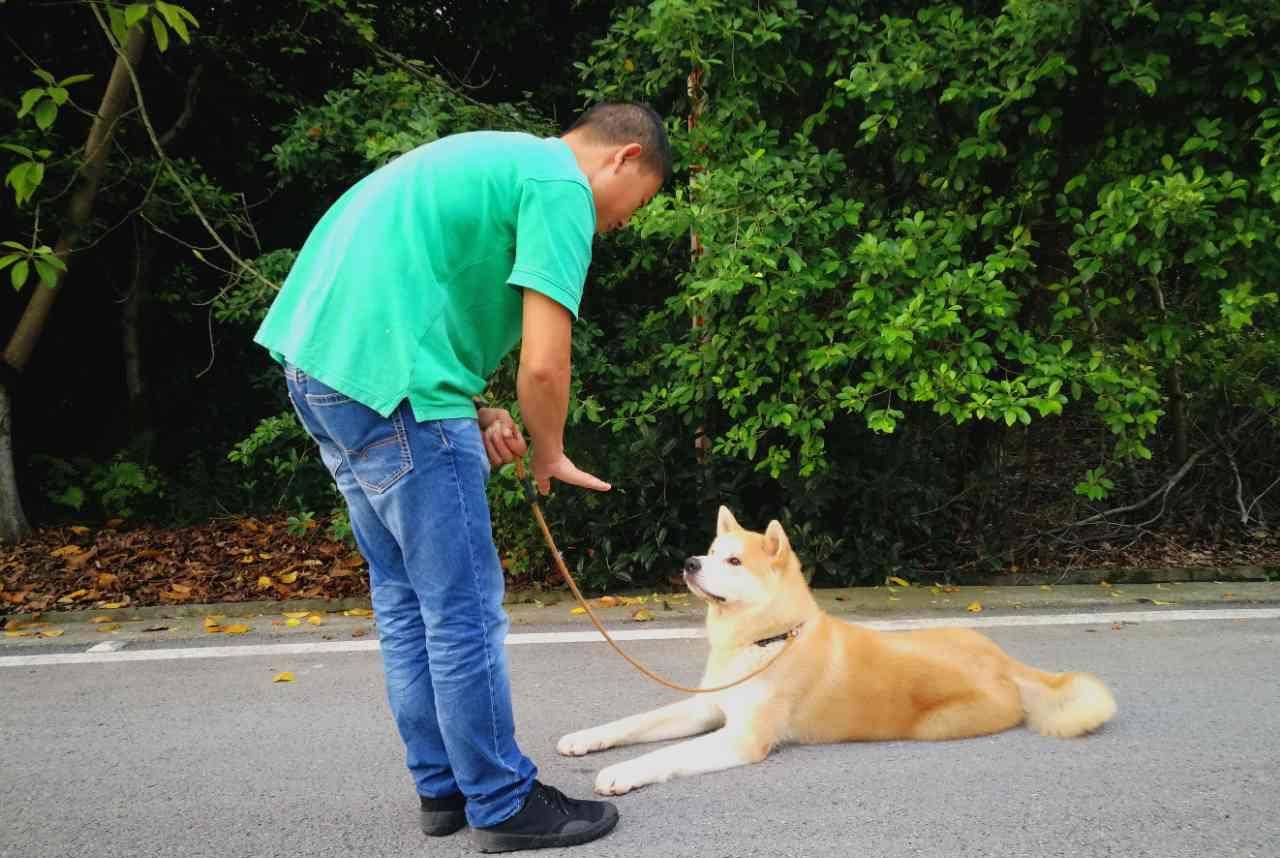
(630, 122)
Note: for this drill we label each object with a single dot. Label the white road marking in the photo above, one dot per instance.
(108, 646)
(96, 656)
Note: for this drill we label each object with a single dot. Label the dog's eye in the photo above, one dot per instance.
(734, 561)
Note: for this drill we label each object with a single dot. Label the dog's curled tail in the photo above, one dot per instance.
(1063, 704)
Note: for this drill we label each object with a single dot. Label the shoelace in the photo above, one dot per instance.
(554, 799)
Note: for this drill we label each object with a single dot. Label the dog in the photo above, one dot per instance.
(837, 682)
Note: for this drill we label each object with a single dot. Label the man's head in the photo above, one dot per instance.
(623, 150)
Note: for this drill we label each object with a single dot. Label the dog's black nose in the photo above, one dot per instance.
(692, 565)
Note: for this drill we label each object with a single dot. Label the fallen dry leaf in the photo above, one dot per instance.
(293, 622)
(315, 619)
(1104, 583)
(974, 607)
(358, 632)
(284, 676)
(901, 582)
(288, 577)
(102, 619)
(112, 606)
(66, 551)
(78, 529)
(237, 629)
(108, 627)
(296, 615)
(51, 633)
(264, 582)
(609, 601)
(642, 615)
(578, 610)
(106, 579)
(357, 612)
(19, 633)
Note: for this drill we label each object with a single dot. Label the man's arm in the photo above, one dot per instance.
(542, 386)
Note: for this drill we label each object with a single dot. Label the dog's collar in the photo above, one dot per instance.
(781, 637)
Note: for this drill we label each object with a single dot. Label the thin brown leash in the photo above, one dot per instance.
(532, 494)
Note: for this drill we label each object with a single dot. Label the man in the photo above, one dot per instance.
(403, 300)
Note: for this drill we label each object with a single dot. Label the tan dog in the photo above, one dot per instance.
(837, 683)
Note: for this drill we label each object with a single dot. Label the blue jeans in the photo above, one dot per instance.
(416, 496)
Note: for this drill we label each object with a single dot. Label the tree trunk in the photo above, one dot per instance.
(131, 336)
(17, 352)
(13, 521)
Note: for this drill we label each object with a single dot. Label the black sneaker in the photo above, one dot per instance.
(548, 818)
(443, 816)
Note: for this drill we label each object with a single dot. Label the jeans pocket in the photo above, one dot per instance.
(375, 448)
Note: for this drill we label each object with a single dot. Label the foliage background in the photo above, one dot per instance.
(983, 286)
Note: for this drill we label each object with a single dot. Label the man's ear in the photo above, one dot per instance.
(626, 153)
(776, 544)
(726, 522)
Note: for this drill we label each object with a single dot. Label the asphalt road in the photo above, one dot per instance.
(199, 757)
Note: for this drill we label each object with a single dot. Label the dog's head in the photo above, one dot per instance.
(743, 569)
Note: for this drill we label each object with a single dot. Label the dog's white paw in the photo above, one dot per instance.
(619, 779)
(581, 742)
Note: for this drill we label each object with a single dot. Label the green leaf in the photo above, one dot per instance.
(75, 78)
(118, 28)
(174, 19)
(46, 112)
(48, 274)
(6, 261)
(18, 274)
(44, 76)
(21, 150)
(134, 13)
(162, 35)
(29, 99)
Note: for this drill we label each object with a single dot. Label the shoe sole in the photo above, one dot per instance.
(489, 842)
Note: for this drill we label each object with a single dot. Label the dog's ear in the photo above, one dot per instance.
(726, 522)
(776, 543)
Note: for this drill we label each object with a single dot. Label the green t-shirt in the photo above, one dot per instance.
(410, 285)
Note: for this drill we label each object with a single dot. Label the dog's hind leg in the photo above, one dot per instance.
(685, 718)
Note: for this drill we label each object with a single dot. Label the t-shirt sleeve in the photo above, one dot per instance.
(553, 240)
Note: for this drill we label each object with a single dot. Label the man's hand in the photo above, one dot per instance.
(503, 441)
(566, 472)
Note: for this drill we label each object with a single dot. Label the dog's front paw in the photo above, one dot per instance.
(619, 779)
(582, 742)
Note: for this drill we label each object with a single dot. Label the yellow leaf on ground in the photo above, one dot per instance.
(285, 676)
(248, 558)
(358, 612)
(296, 615)
(78, 529)
(181, 589)
(109, 627)
(609, 601)
(642, 615)
(237, 629)
(102, 619)
(974, 607)
(293, 622)
(264, 582)
(1158, 602)
(51, 633)
(288, 577)
(111, 606)
(264, 555)
(578, 610)
(1104, 583)
(211, 624)
(315, 619)
(1046, 587)
(358, 632)
(71, 597)
(901, 582)
(66, 551)
(19, 633)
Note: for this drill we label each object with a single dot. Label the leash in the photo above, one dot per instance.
(531, 493)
